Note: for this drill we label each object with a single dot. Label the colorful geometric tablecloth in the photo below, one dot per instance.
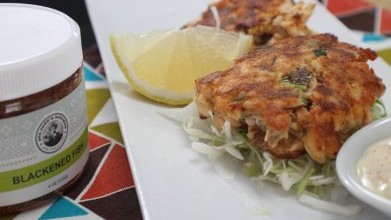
(106, 190)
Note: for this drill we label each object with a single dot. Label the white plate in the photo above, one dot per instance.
(173, 182)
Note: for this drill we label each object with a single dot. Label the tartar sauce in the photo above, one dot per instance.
(374, 168)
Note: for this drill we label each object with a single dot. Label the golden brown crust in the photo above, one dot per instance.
(264, 19)
(310, 91)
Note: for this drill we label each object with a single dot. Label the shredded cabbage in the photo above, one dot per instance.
(312, 182)
(378, 110)
(301, 174)
(216, 16)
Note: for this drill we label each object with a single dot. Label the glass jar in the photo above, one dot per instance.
(43, 119)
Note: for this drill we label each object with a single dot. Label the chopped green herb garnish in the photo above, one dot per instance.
(304, 100)
(320, 52)
(295, 86)
(241, 96)
(300, 76)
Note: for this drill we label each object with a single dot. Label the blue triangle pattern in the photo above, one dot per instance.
(89, 75)
(62, 208)
(368, 37)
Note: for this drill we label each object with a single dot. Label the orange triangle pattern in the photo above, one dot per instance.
(385, 22)
(342, 7)
(95, 141)
(113, 176)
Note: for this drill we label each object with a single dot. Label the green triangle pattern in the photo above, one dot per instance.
(95, 104)
(386, 55)
(8, 217)
(111, 130)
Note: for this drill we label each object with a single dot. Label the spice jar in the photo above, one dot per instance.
(43, 126)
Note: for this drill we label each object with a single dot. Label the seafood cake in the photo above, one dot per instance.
(301, 94)
(264, 19)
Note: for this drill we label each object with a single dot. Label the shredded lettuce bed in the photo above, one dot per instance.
(303, 175)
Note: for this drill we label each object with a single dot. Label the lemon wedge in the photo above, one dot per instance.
(163, 65)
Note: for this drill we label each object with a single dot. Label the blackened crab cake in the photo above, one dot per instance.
(301, 94)
(264, 19)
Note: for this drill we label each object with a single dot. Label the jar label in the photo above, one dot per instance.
(43, 150)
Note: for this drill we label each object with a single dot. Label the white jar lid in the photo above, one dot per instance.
(39, 48)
